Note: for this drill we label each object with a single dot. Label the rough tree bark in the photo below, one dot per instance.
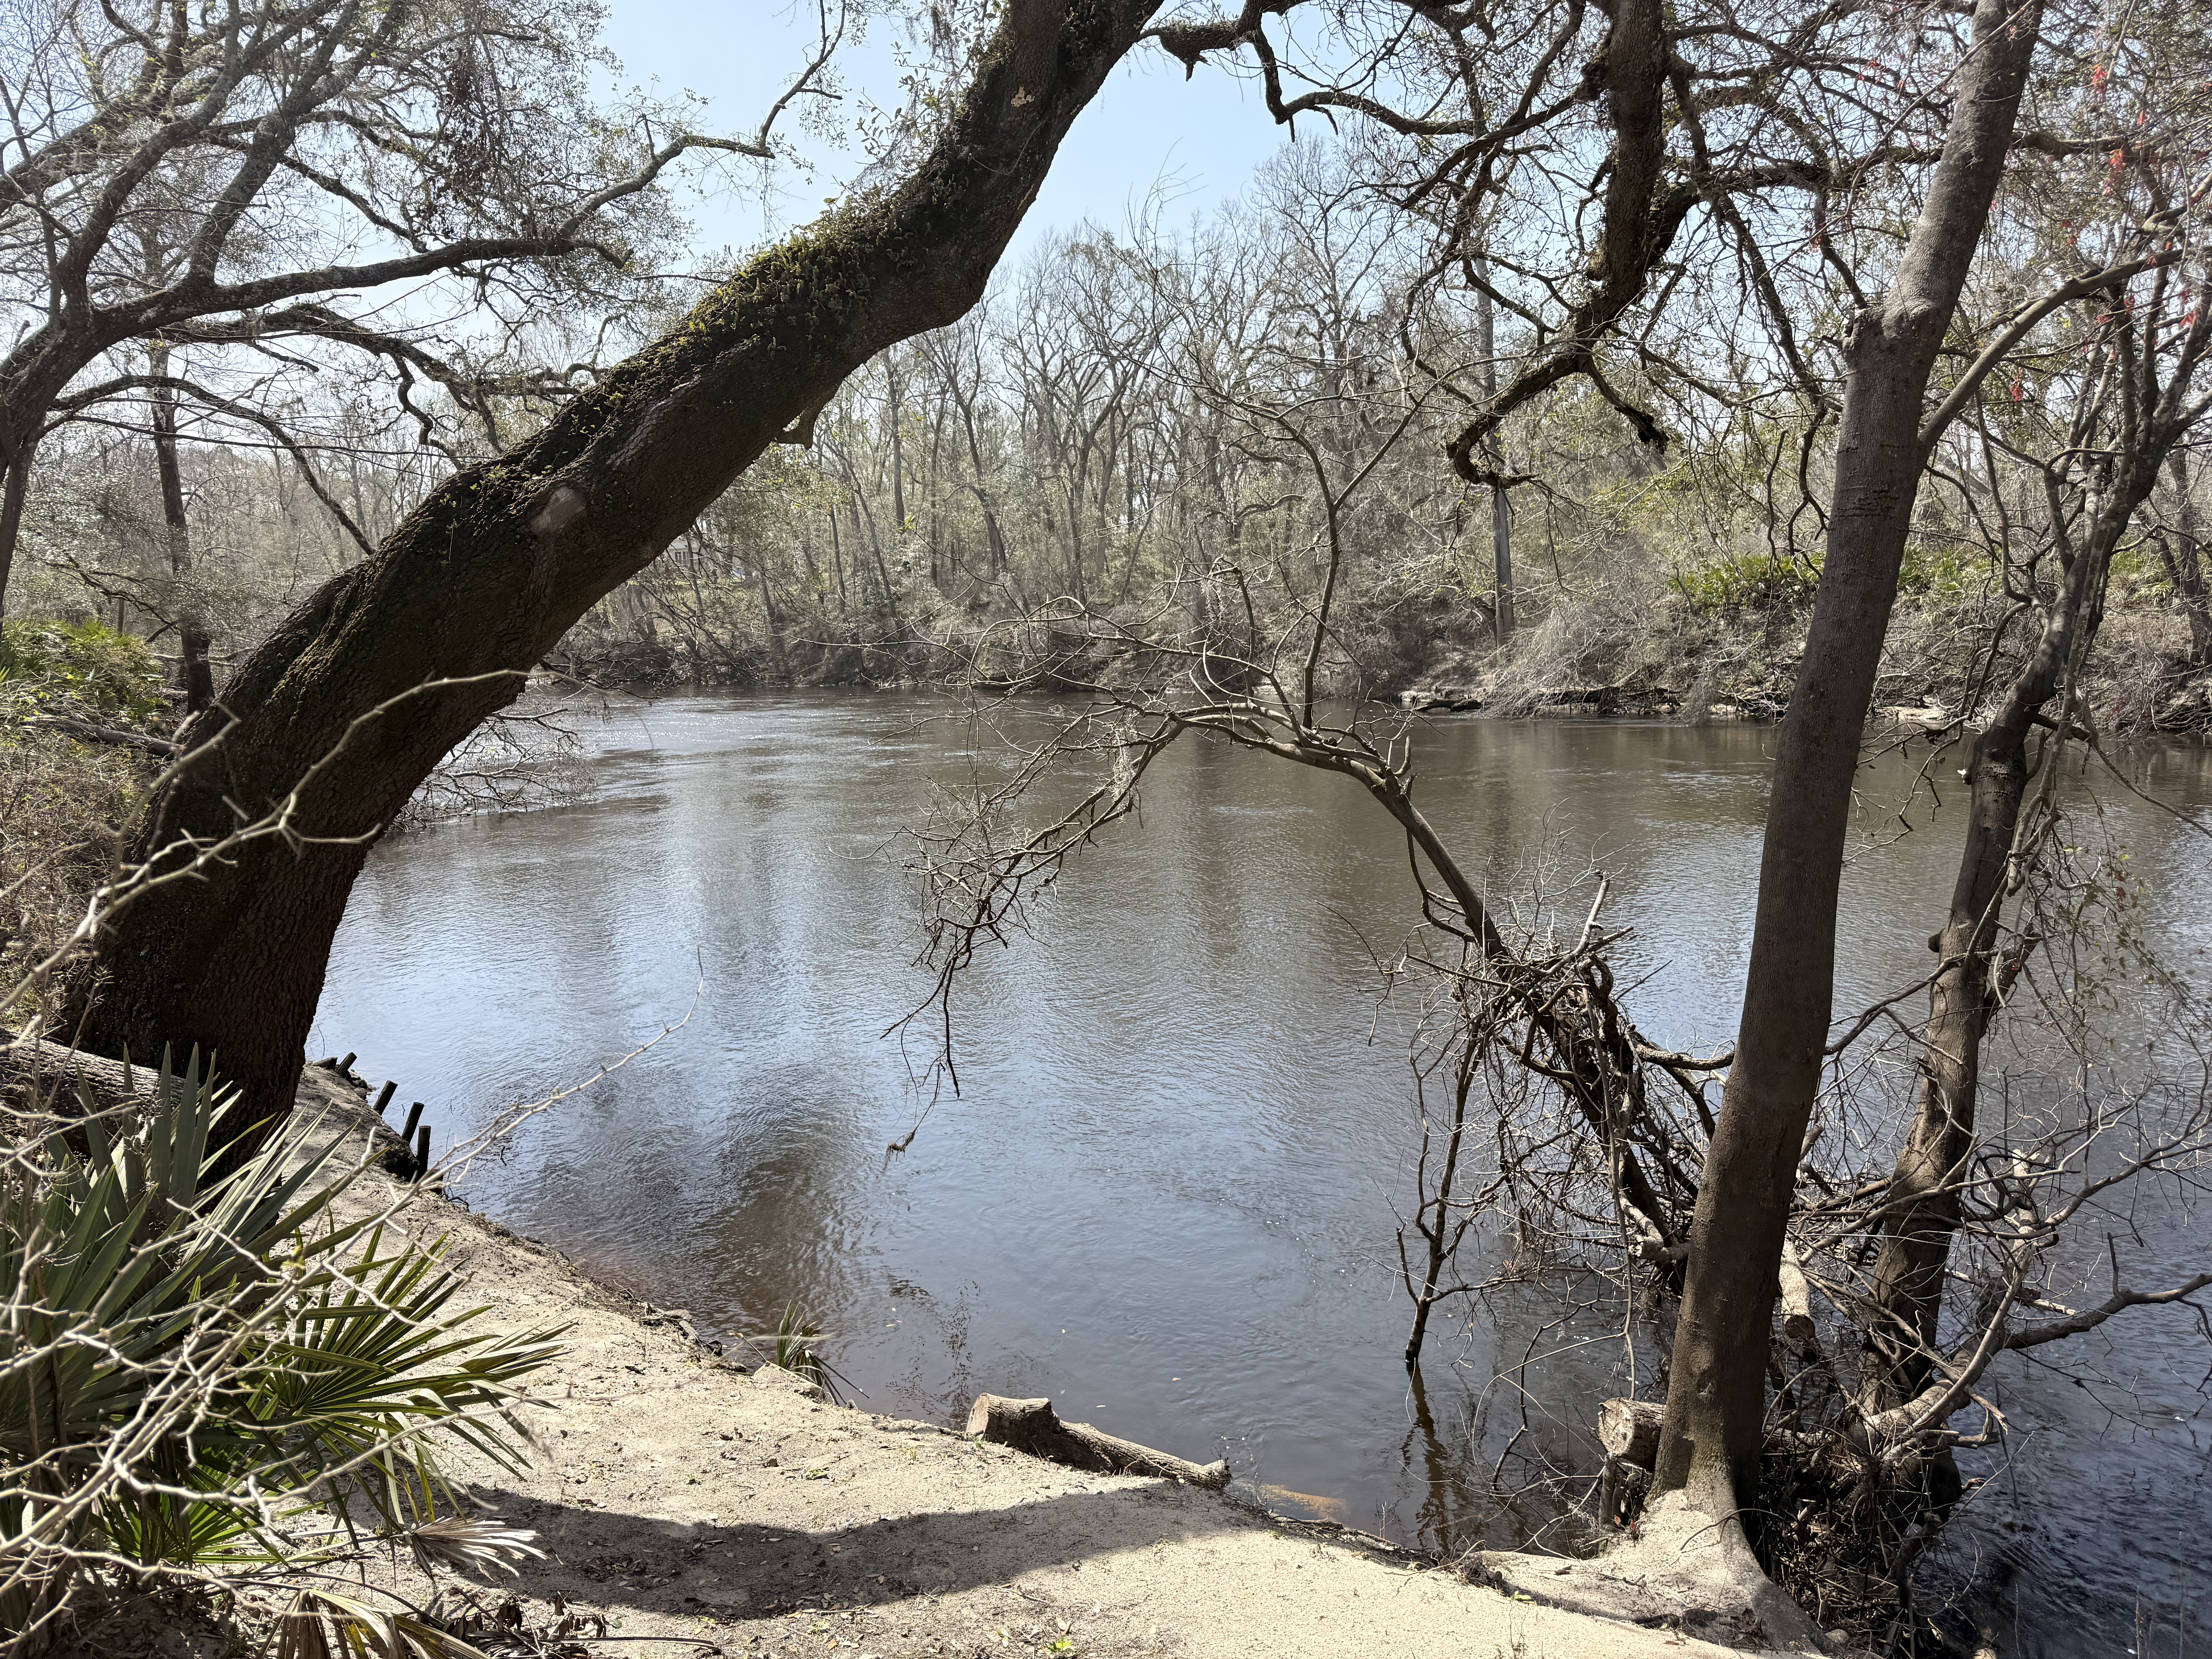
(487, 574)
(1715, 1399)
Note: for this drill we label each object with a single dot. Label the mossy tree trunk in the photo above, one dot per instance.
(489, 574)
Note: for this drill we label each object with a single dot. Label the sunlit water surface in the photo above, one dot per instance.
(1164, 1194)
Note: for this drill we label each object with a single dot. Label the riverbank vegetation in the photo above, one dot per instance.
(1796, 365)
(1058, 447)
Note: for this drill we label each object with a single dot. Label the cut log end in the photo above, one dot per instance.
(1031, 1426)
(1629, 1430)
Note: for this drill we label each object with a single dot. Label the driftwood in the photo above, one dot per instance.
(88, 732)
(1029, 1425)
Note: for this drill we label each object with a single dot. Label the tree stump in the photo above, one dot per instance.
(1029, 1425)
(1628, 1430)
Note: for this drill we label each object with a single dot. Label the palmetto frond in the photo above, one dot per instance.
(189, 1360)
(325, 1625)
(471, 1545)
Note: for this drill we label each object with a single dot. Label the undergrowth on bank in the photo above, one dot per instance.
(85, 669)
(205, 1371)
(64, 799)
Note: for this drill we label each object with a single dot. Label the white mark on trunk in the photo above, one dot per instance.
(559, 510)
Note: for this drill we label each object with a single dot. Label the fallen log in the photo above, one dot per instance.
(45, 1076)
(1029, 1425)
(89, 732)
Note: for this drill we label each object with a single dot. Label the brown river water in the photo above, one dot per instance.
(1163, 1194)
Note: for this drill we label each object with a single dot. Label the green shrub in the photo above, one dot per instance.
(1945, 574)
(85, 669)
(1749, 582)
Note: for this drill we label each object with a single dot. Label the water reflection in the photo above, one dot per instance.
(1164, 1194)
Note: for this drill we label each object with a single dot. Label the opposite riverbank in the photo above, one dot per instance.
(1718, 642)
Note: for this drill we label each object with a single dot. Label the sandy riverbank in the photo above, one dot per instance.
(697, 1507)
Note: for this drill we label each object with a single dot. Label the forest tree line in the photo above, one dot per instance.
(1096, 437)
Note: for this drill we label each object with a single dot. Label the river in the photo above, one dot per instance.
(1163, 1194)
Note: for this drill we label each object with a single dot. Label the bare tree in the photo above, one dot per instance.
(1715, 1417)
(278, 154)
(2137, 395)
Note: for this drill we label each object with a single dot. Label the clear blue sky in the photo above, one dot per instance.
(1199, 141)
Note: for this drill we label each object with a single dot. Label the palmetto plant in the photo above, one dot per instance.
(191, 1364)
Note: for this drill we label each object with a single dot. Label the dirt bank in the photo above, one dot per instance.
(699, 1507)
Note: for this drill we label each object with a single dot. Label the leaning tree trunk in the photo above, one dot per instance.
(390, 665)
(14, 490)
(1920, 1214)
(1715, 1398)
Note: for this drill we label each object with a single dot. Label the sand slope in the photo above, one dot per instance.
(697, 1507)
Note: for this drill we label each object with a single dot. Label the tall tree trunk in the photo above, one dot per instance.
(992, 533)
(1075, 540)
(813, 568)
(2184, 566)
(15, 489)
(193, 668)
(1501, 515)
(950, 552)
(1715, 1398)
(1501, 554)
(1922, 1211)
(993, 536)
(876, 546)
(392, 663)
(898, 450)
(773, 618)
